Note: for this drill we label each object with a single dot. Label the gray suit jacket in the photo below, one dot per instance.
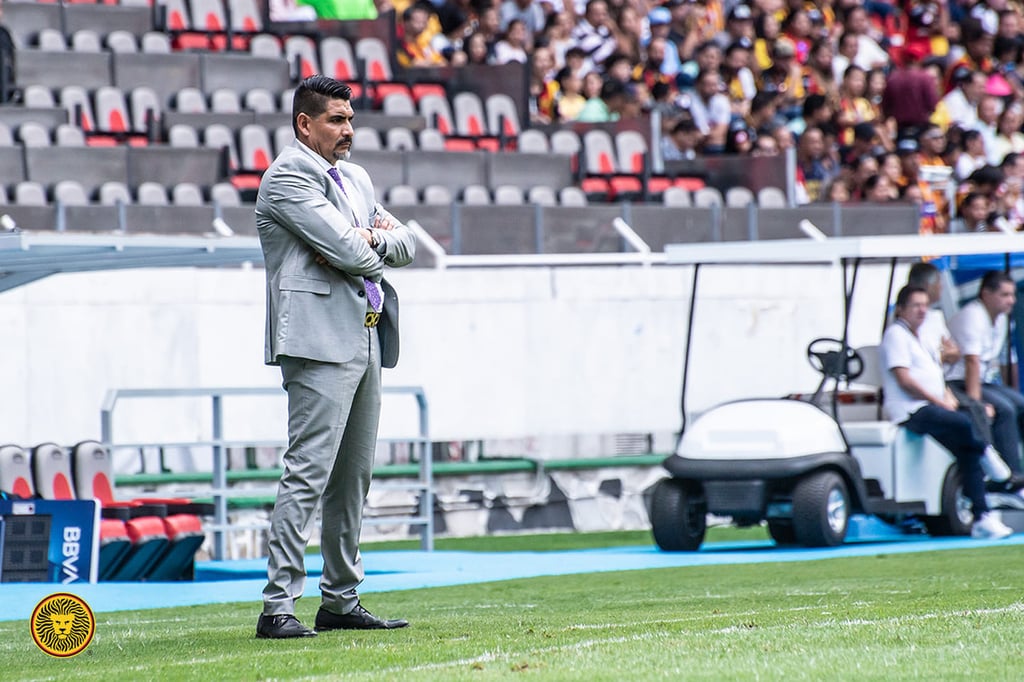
(316, 311)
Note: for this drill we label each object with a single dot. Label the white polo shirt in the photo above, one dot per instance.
(901, 348)
(976, 334)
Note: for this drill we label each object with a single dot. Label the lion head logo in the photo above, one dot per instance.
(62, 625)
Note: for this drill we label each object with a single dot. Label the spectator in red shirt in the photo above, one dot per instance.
(909, 97)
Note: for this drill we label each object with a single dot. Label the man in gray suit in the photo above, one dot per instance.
(332, 323)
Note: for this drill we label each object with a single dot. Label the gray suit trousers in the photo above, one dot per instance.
(333, 414)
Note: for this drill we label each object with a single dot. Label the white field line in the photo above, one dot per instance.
(592, 643)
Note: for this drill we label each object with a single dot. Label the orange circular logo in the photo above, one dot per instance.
(62, 625)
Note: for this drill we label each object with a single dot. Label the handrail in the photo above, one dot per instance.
(435, 249)
(219, 482)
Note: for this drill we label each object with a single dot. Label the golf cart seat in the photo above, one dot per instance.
(870, 433)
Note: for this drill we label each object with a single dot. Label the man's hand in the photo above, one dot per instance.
(990, 410)
(948, 401)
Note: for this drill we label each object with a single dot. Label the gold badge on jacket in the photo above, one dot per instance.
(62, 625)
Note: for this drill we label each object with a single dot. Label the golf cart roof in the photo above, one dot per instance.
(828, 251)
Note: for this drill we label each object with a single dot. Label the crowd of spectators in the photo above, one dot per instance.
(883, 100)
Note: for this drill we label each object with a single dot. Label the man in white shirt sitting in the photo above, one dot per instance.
(917, 398)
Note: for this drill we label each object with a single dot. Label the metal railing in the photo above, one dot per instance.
(424, 519)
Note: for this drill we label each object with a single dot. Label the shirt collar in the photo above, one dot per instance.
(321, 161)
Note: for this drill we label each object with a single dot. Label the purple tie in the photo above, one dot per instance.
(373, 294)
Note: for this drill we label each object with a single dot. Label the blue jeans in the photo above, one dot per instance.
(954, 432)
(1008, 424)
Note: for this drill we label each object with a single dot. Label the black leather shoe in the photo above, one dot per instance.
(356, 619)
(281, 627)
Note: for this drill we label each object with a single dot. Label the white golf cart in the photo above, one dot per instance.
(805, 465)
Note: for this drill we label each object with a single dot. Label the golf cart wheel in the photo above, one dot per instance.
(821, 509)
(781, 531)
(678, 515)
(956, 517)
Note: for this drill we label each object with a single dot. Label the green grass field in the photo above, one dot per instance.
(931, 616)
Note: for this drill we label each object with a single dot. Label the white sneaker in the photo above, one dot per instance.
(988, 527)
(993, 465)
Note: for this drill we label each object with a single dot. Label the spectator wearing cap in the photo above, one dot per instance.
(659, 20)
(870, 54)
(909, 97)
(961, 103)
(593, 33)
(710, 109)
(739, 23)
(739, 81)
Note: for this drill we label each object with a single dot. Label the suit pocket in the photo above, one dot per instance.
(307, 284)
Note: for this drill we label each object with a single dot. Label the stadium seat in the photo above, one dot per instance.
(706, 197)
(533, 141)
(225, 194)
(182, 135)
(502, 116)
(431, 139)
(86, 40)
(366, 138)
(541, 195)
(111, 110)
(398, 138)
(121, 41)
(572, 196)
(190, 101)
(29, 193)
(254, 148)
(283, 137)
(146, 110)
(152, 194)
(265, 45)
(186, 194)
(177, 533)
(68, 135)
(337, 59)
(225, 101)
(6, 138)
(113, 192)
(219, 136)
(38, 97)
(75, 100)
(771, 197)
(738, 197)
(604, 173)
(70, 193)
(32, 134)
(402, 195)
(398, 104)
(260, 100)
(437, 195)
(375, 55)
(16, 471)
(508, 195)
(301, 53)
(676, 197)
(437, 113)
(51, 40)
(155, 42)
(245, 16)
(476, 195)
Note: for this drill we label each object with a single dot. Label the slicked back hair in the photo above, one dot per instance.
(922, 274)
(994, 279)
(312, 95)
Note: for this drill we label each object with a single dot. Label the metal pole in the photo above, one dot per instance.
(220, 483)
(427, 475)
(686, 352)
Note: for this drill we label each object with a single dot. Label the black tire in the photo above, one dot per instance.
(821, 509)
(678, 515)
(781, 531)
(956, 516)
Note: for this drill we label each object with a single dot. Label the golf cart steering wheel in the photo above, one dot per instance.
(827, 356)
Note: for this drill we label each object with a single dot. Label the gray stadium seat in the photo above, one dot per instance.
(533, 141)
(6, 138)
(399, 138)
(70, 193)
(572, 196)
(68, 135)
(86, 40)
(543, 195)
(283, 137)
(190, 100)
(501, 107)
(375, 55)
(509, 195)
(706, 197)
(245, 16)
(155, 42)
(265, 45)
(76, 102)
(431, 140)
(182, 135)
(398, 104)
(260, 100)
(145, 104)
(301, 53)
(225, 101)
(111, 193)
(771, 197)
(402, 195)
(676, 197)
(437, 195)
(51, 40)
(476, 195)
(225, 194)
(38, 96)
(366, 138)
(436, 111)
(187, 194)
(30, 193)
(738, 197)
(34, 134)
(219, 136)
(152, 194)
(122, 42)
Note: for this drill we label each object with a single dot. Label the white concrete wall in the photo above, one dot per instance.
(536, 353)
